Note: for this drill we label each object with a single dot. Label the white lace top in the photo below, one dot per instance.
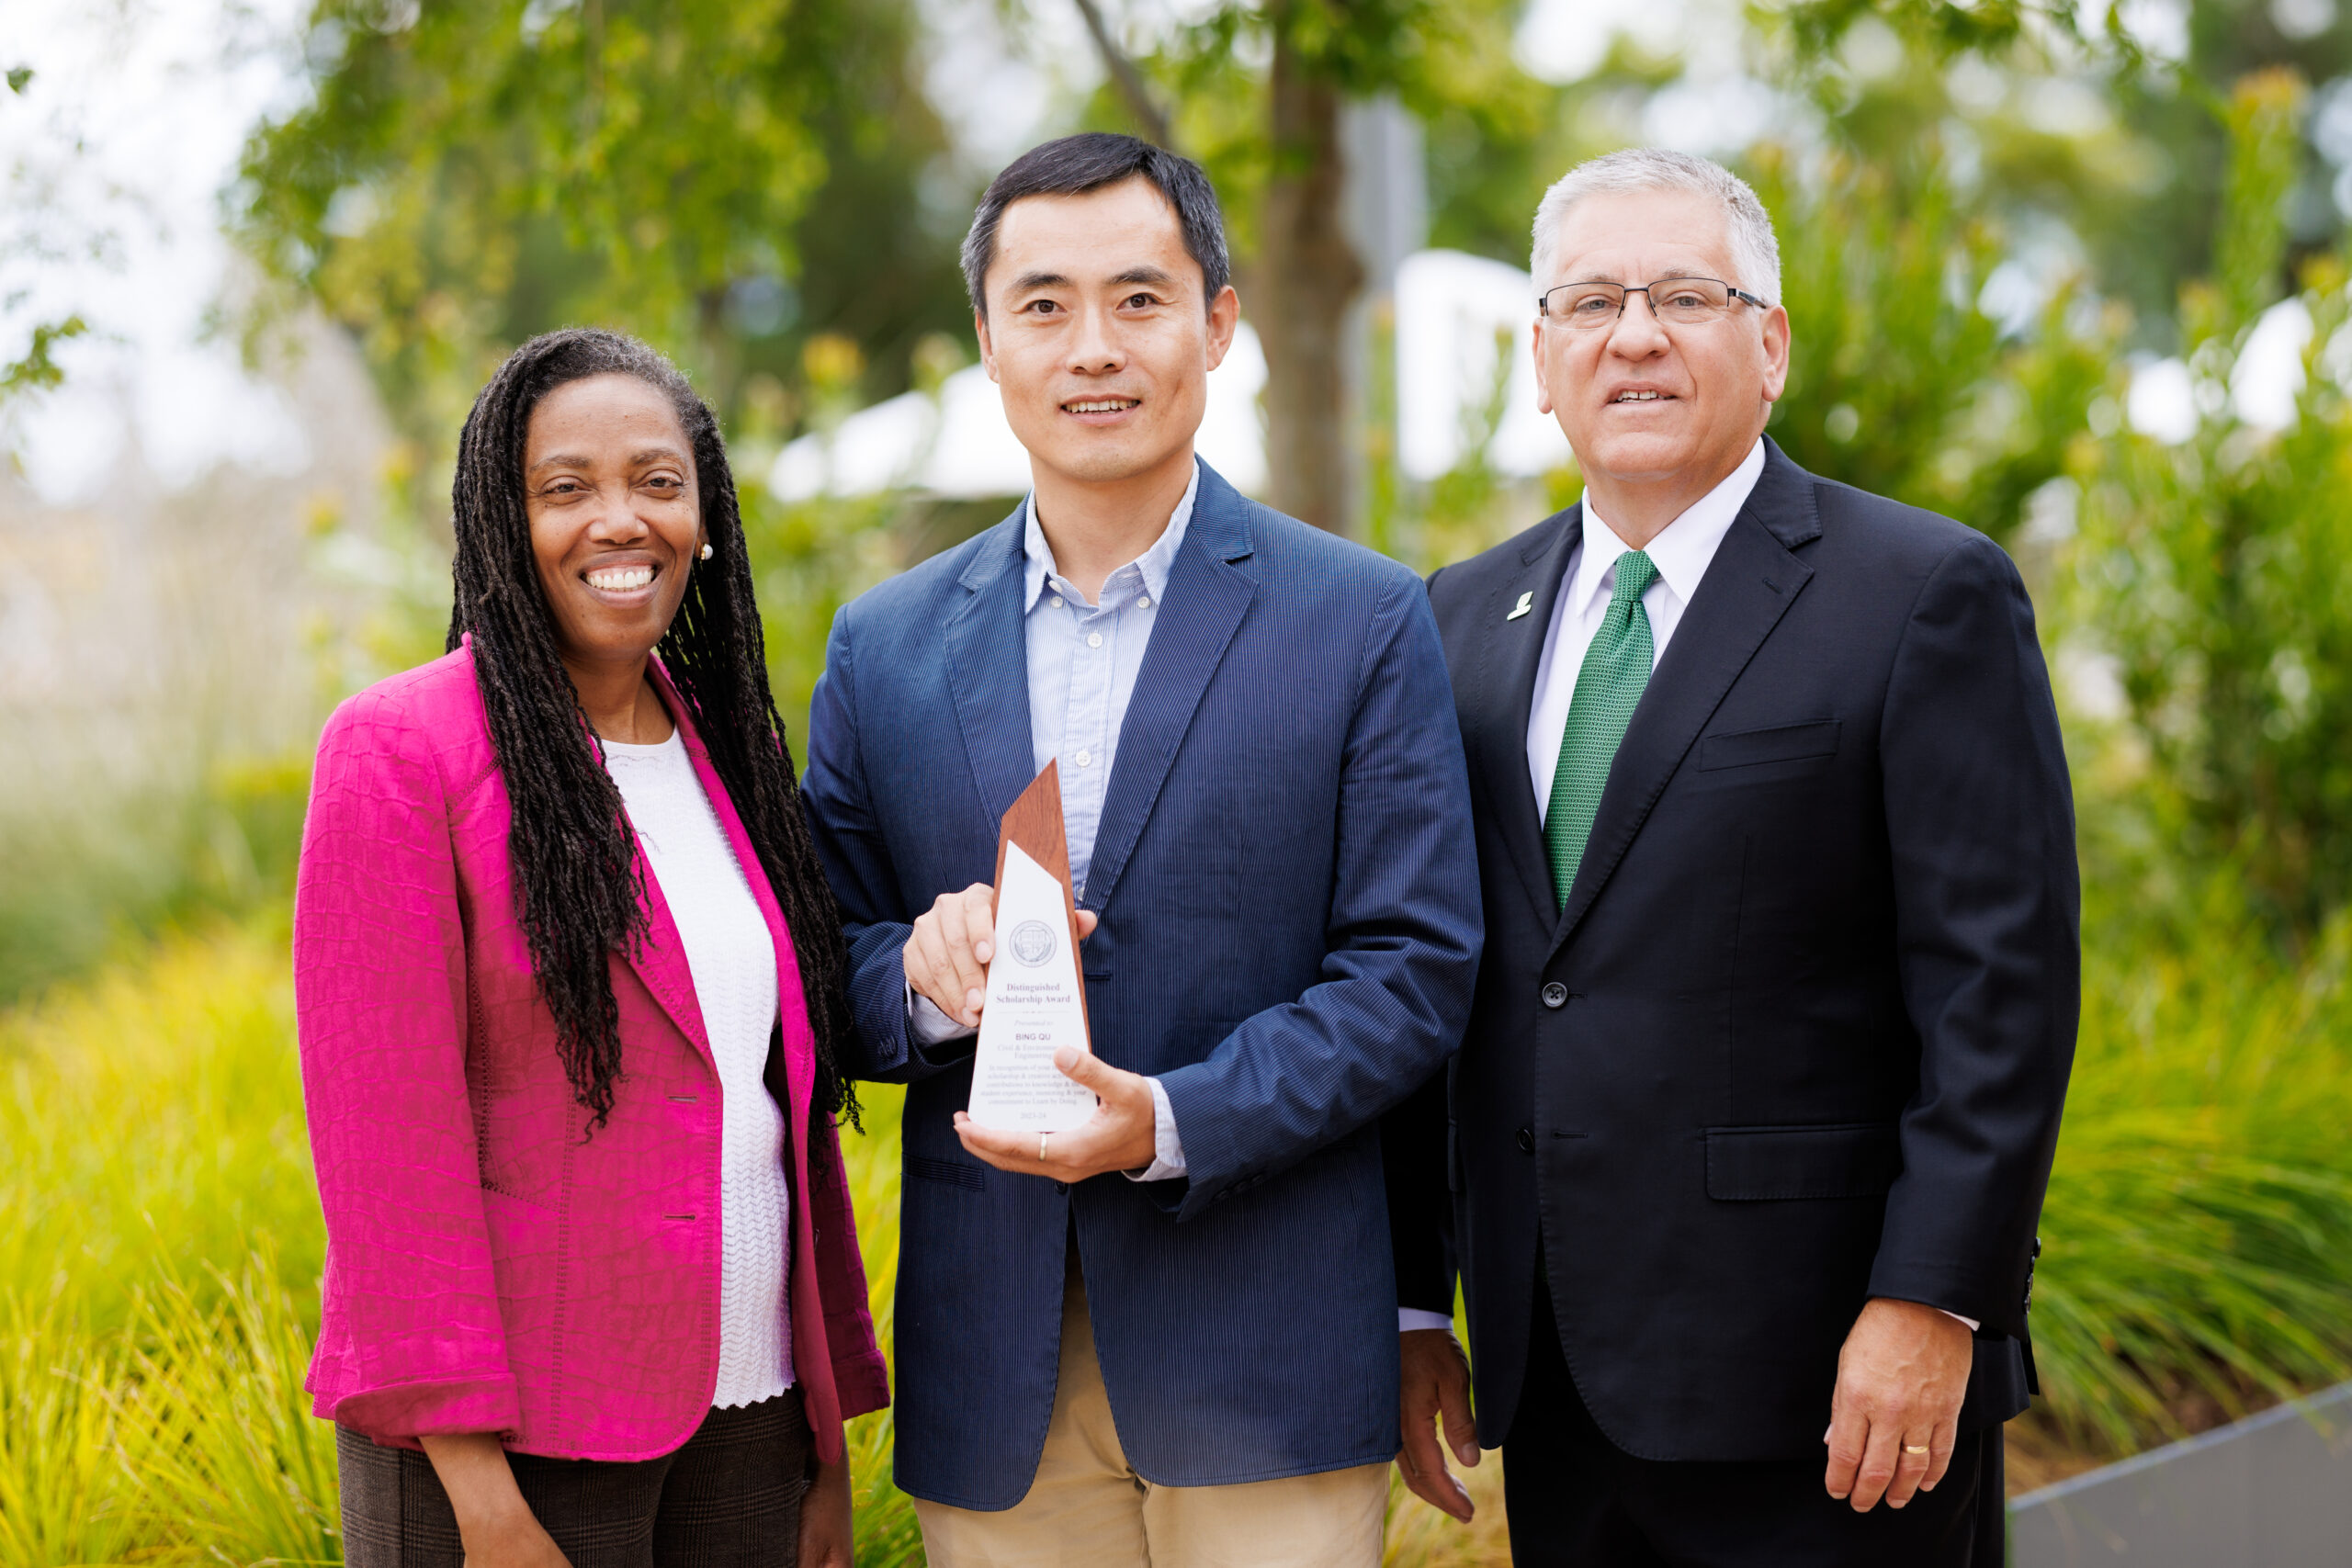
(731, 956)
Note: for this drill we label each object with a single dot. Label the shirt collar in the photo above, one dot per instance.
(1153, 566)
(1683, 547)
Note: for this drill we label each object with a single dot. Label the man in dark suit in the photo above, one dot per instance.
(1168, 1335)
(1749, 1132)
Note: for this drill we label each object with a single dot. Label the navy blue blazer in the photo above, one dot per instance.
(1288, 893)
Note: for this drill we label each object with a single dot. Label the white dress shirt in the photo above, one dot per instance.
(1083, 660)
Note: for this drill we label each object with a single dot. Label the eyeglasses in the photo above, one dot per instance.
(1679, 301)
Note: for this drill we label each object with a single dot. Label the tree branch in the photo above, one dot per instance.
(1148, 115)
(38, 369)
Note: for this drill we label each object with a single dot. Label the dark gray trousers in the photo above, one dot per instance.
(1576, 1500)
(729, 1499)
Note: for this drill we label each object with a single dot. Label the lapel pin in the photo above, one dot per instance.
(1526, 603)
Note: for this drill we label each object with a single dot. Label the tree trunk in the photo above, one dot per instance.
(1307, 276)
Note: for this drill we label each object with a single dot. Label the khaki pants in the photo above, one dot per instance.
(1088, 1508)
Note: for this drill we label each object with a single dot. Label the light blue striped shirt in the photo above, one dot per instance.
(1082, 663)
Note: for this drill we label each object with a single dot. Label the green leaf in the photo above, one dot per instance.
(38, 369)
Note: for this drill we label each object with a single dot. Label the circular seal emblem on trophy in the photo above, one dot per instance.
(1033, 943)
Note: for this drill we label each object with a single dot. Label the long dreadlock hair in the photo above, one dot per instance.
(579, 889)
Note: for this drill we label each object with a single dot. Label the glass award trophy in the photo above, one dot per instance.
(1037, 998)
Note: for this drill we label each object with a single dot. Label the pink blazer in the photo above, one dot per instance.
(487, 1268)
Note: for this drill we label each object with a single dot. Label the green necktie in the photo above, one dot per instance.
(1608, 686)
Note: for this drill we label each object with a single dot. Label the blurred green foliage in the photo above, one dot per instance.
(2217, 573)
(1948, 26)
(724, 178)
(2198, 1236)
(2114, 123)
(1898, 382)
(811, 559)
(2147, 249)
(37, 369)
(85, 878)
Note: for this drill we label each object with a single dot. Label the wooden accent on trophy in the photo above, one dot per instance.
(1035, 823)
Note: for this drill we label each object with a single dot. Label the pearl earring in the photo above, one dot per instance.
(705, 550)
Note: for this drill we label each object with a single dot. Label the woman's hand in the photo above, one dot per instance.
(497, 1527)
(826, 1532)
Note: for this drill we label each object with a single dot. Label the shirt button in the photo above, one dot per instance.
(1084, 758)
(1144, 603)
(1055, 600)
(1094, 639)
(1556, 995)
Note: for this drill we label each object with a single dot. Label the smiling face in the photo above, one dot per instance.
(608, 482)
(1097, 331)
(1651, 405)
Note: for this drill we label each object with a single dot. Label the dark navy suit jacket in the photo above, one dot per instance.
(1801, 1036)
(1290, 931)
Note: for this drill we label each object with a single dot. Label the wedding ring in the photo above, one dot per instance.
(1041, 1159)
(1907, 1447)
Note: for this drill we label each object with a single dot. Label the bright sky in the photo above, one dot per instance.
(111, 164)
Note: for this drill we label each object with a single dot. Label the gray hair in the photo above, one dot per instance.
(1754, 249)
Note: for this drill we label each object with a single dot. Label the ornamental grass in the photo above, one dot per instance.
(160, 1244)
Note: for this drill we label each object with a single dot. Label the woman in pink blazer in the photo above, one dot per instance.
(570, 992)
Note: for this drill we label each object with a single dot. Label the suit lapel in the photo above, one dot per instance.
(1748, 588)
(661, 962)
(988, 671)
(1509, 651)
(1206, 596)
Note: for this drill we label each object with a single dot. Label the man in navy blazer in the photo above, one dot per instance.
(1171, 1336)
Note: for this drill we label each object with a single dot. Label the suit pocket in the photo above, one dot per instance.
(952, 1172)
(1852, 1160)
(1783, 743)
